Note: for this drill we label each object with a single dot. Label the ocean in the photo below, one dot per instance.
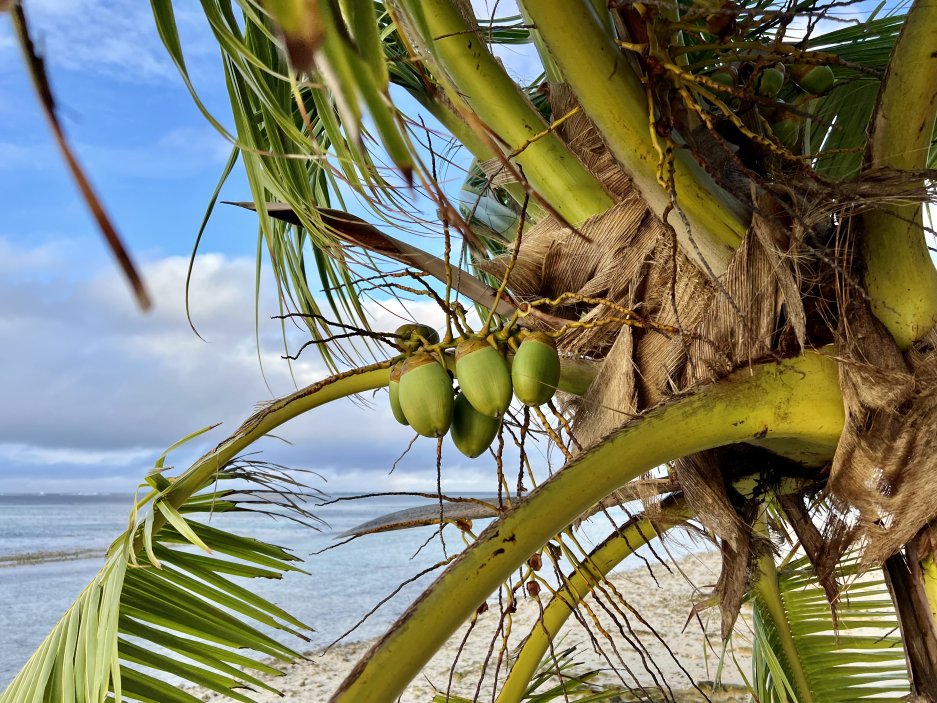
(52, 545)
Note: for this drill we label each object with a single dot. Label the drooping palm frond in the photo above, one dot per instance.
(802, 654)
(302, 138)
(159, 605)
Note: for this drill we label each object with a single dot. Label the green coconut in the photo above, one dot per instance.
(770, 81)
(726, 75)
(483, 376)
(393, 389)
(535, 370)
(813, 79)
(787, 131)
(410, 336)
(425, 395)
(472, 433)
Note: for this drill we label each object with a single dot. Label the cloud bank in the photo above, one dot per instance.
(95, 391)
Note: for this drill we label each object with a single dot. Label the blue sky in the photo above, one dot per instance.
(94, 390)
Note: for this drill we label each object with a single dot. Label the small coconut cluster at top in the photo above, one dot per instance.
(421, 386)
(766, 81)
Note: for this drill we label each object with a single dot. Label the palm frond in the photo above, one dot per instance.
(800, 653)
(166, 607)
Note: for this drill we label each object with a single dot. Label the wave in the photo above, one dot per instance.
(30, 558)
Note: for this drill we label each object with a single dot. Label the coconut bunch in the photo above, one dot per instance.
(802, 84)
(421, 385)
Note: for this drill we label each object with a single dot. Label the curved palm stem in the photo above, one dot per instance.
(587, 575)
(791, 399)
(614, 98)
(481, 82)
(575, 377)
(900, 275)
(272, 416)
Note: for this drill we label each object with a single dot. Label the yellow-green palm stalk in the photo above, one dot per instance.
(614, 97)
(795, 399)
(900, 274)
(479, 81)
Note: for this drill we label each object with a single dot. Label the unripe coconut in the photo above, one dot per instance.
(726, 75)
(408, 336)
(813, 79)
(770, 81)
(483, 376)
(472, 433)
(426, 395)
(787, 131)
(393, 388)
(536, 369)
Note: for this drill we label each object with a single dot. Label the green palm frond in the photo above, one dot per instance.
(839, 131)
(801, 655)
(169, 599)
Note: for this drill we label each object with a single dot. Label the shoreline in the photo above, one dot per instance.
(662, 609)
(10, 561)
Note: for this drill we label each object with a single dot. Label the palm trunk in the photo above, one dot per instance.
(905, 580)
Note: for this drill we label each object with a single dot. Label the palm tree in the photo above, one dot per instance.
(715, 211)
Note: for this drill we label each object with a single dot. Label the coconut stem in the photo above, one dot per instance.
(900, 276)
(479, 80)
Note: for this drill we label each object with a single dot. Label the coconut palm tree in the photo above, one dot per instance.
(713, 210)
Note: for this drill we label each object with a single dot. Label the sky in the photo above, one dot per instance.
(95, 390)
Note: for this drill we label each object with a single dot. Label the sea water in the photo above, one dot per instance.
(51, 546)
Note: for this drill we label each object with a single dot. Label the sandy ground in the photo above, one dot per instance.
(664, 606)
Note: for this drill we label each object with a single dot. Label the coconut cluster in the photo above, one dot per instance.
(786, 119)
(422, 394)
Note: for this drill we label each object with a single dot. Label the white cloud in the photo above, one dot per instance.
(28, 454)
(116, 38)
(16, 261)
(94, 391)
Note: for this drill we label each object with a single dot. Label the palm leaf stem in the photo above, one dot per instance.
(263, 422)
(587, 575)
(795, 398)
(354, 231)
(769, 592)
(900, 275)
(616, 101)
(575, 377)
(481, 82)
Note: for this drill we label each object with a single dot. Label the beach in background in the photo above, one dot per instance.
(52, 545)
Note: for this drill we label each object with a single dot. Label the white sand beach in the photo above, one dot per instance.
(664, 605)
